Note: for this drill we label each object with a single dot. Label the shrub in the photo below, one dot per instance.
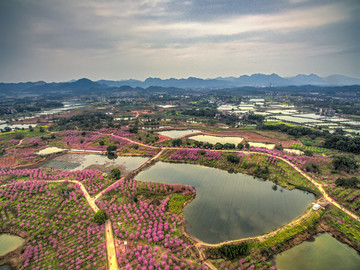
(232, 158)
(240, 146)
(343, 163)
(234, 251)
(177, 142)
(100, 217)
(115, 173)
(348, 183)
(111, 149)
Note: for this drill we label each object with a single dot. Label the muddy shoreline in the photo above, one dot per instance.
(14, 258)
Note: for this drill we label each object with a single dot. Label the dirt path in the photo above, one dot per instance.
(111, 252)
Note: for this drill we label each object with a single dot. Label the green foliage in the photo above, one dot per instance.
(176, 203)
(176, 142)
(208, 145)
(279, 239)
(240, 146)
(19, 136)
(100, 217)
(218, 146)
(279, 147)
(85, 121)
(204, 112)
(233, 158)
(115, 173)
(111, 149)
(262, 172)
(343, 223)
(233, 251)
(309, 149)
(229, 146)
(348, 183)
(133, 129)
(343, 163)
(312, 167)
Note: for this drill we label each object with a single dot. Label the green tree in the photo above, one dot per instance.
(19, 136)
(343, 163)
(100, 217)
(42, 129)
(111, 149)
(233, 158)
(240, 146)
(218, 145)
(115, 173)
(234, 251)
(348, 183)
(177, 142)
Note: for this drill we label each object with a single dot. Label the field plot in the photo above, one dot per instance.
(59, 222)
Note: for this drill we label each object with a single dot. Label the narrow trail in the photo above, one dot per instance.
(111, 251)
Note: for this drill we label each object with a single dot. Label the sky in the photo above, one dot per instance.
(60, 40)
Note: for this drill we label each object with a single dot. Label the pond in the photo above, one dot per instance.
(229, 206)
(216, 139)
(9, 242)
(322, 254)
(177, 133)
(94, 162)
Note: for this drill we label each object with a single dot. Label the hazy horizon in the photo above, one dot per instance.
(177, 78)
(118, 40)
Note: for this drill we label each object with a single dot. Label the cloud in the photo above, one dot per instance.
(125, 38)
(283, 22)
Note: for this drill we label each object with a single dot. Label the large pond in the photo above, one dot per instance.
(216, 139)
(9, 242)
(322, 254)
(229, 206)
(178, 133)
(95, 162)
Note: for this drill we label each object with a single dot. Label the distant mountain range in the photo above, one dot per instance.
(255, 80)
